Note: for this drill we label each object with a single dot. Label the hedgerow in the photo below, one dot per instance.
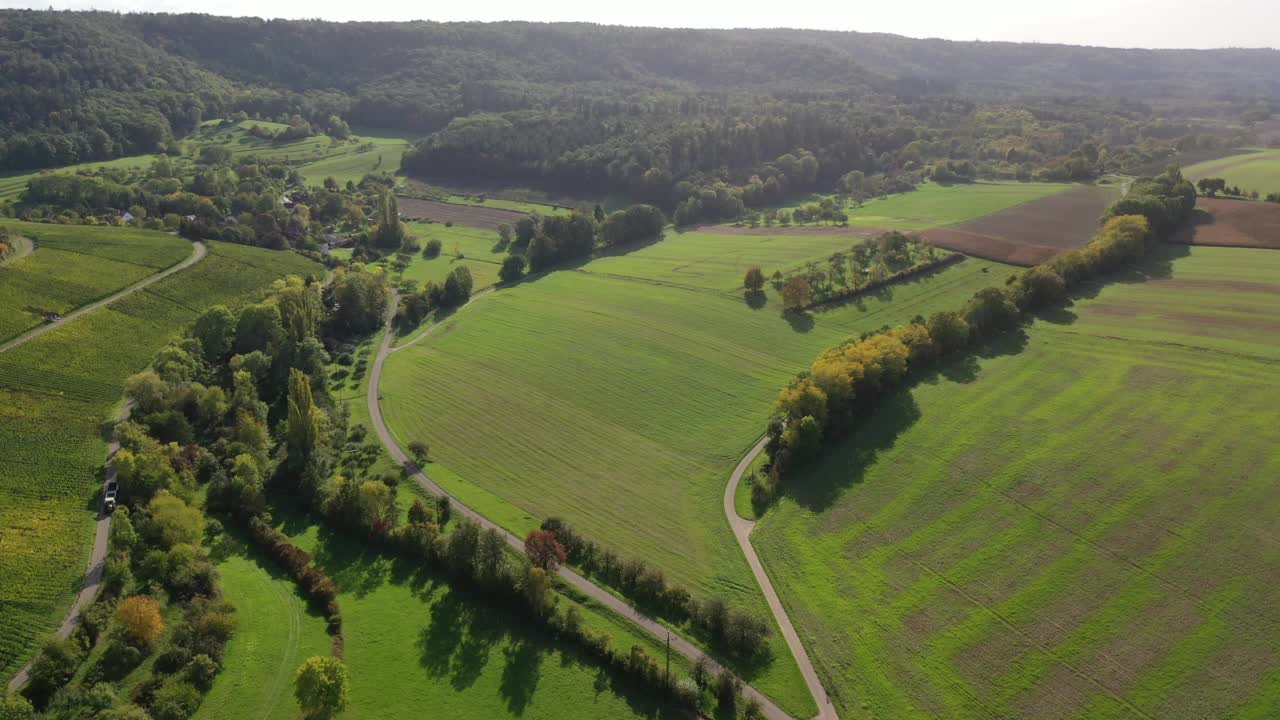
(845, 382)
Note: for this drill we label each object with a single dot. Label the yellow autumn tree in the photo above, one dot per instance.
(140, 619)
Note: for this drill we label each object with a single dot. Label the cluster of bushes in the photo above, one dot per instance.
(698, 200)
(952, 171)
(454, 292)
(156, 552)
(845, 382)
(319, 588)
(214, 195)
(858, 186)
(729, 629)
(868, 265)
(830, 294)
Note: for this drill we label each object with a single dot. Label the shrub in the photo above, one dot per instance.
(321, 687)
(175, 700)
(432, 249)
(512, 268)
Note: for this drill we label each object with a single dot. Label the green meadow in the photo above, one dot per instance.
(478, 250)
(277, 631)
(369, 154)
(413, 644)
(934, 205)
(75, 265)
(1074, 523)
(1254, 169)
(58, 393)
(620, 400)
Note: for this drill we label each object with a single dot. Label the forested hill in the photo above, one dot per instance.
(560, 100)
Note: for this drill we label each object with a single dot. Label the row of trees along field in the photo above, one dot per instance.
(845, 383)
(240, 406)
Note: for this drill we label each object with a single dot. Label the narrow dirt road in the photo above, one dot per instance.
(742, 528)
(97, 559)
(198, 251)
(581, 584)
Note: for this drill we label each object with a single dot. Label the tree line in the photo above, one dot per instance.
(737, 632)
(845, 383)
(244, 399)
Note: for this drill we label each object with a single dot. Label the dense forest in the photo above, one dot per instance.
(667, 115)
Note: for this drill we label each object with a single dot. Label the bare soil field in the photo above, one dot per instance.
(1032, 232)
(990, 247)
(1233, 223)
(1026, 234)
(486, 218)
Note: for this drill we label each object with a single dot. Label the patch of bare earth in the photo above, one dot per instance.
(486, 218)
(1233, 223)
(1029, 233)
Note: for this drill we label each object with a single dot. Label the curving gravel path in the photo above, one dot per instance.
(742, 528)
(583, 585)
(97, 560)
(198, 251)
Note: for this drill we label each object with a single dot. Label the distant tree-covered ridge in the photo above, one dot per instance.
(634, 109)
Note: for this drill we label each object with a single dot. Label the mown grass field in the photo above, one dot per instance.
(57, 395)
(414, 644)
(934, 205)
(1256, 169)
(277, 632)
(358, 160)
(620, 401)
(481, 253)
(75, 265)
(1077, 524)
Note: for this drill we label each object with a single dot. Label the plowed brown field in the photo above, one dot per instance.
(1233, 223)
(486, 218)
(1032, 232)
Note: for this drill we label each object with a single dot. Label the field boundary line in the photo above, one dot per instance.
(742, 528)
(97, 558)
(567, 575)
(198, 252)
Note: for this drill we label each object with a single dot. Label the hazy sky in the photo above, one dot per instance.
(1115, 23)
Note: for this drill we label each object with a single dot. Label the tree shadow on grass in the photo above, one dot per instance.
(755, 299)
(844, 461)
(520, 674)
(465, 624)
(1157, 265)
(799, 320)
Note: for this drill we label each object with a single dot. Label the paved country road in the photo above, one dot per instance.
(742, 528)
(581, 584)
(198, 251)
(97, 560)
